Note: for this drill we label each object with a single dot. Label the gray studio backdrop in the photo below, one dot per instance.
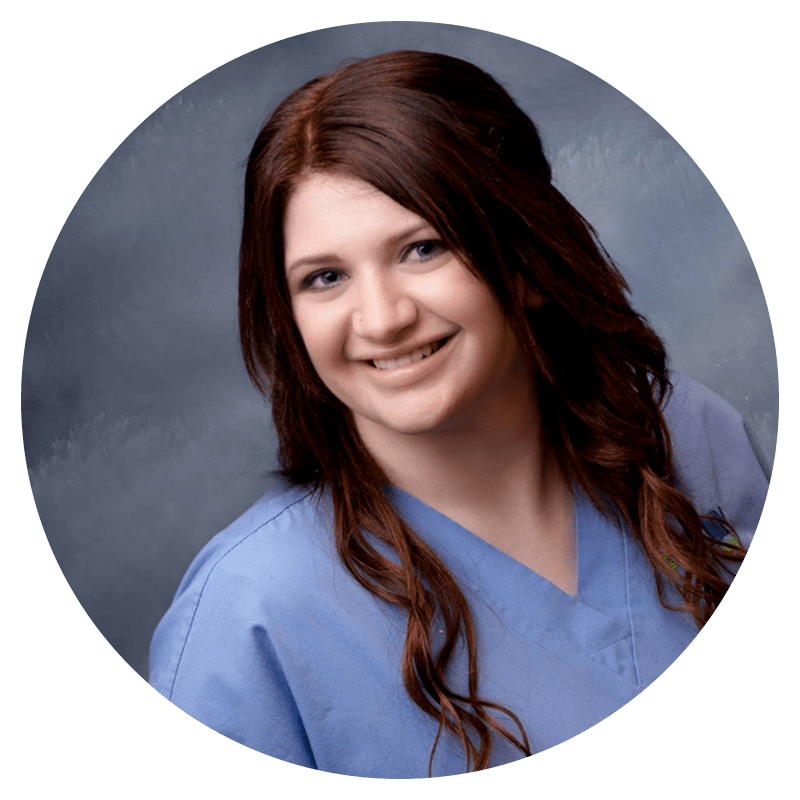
(143, 435)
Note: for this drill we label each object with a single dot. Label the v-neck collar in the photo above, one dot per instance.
(596, 624)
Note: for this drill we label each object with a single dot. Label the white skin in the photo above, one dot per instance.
(371, 284)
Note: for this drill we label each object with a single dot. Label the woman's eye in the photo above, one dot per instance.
(323, 279)
(424, 251)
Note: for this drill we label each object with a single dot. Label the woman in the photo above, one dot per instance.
(501, 518)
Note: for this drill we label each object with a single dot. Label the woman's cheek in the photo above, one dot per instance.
(324, 333)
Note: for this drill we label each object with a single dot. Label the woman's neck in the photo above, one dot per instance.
(468, 464)
(496, 476)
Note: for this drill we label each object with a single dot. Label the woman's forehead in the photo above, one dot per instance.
(312, 182)
(329, 214)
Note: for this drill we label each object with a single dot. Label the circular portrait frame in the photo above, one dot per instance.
(73, 447)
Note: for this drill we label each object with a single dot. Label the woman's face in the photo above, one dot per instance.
(395, 325)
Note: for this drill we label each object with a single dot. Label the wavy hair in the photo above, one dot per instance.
(443, 139)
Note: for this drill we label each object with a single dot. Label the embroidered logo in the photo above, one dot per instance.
(717, 530)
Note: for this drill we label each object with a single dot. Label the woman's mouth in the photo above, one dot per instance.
(414, 355)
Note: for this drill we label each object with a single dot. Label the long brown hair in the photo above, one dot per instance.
(440, 137)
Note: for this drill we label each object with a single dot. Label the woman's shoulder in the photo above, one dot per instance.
(690, 400)
(714, 456)
(276, 525)
(279, 536)
(257, 571)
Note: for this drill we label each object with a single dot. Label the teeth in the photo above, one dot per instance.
(416, 355)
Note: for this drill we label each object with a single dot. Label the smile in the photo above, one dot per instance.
(414, 355)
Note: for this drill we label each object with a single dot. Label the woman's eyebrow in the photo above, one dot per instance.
(329, 259)
(413, 230)
(312, 261)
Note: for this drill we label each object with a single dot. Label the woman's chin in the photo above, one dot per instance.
(403, 422)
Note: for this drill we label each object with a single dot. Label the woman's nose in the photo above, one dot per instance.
(385, 309)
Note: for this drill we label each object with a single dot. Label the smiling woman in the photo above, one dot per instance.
(501, 517)
(409, 343)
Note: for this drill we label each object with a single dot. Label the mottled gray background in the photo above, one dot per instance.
(142, 433)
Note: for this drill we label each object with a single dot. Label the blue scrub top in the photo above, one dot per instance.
(271, 642)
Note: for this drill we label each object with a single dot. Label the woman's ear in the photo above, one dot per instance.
(533, 297)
